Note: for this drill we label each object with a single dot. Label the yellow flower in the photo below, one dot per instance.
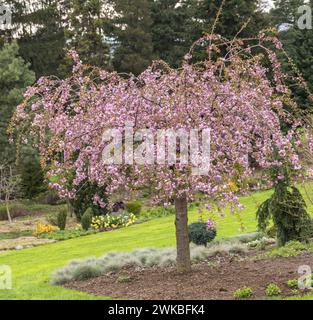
(232, 186)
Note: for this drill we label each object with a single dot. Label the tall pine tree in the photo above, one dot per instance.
(86, 31)
(298, 44)
(15, 76)
(235, 14)
(132, 22)
(285, 11)
(172, 29)
(38, 26)
(177, 24)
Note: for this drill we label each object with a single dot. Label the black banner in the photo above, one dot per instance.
(113, 309)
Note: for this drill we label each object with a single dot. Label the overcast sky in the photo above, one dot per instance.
(270, 3)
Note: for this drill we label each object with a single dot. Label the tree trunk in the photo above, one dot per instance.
(182, 237)
(8, 209)
(69, 208)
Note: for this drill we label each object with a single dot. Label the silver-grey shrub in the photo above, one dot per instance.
(140, 258)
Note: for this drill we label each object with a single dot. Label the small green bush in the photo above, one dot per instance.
(199, 234)
(16, 210)
(134, 207)
(157, 212)
(272, 290)
(296, 245)
(292, 283)
(61, 219)
(291, 249)
(52, 219)
(87, 219)
(242, 293)
(123, 279)
(262, 243)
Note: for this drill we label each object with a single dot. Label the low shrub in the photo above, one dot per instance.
(52, 219)
(292, 283)
(42, 228)
(157, 212)
(291, 249)
(200, 233)
(86, 219)
(272, 290)
(113, 221)
(86, 272)
(16, 211)
(242, 293)
(134, 207)
(261, 243)
(226, 248)
(115, 261)
(123, 279)
(60, 235)
(248, 237)
(61, 219)
(15, 234)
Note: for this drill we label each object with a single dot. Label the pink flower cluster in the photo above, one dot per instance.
(234, 98)
(210, 224)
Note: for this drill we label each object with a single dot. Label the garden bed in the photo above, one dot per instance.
(22, 243)
(217, 280)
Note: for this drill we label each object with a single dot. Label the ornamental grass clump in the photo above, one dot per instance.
(142, 258)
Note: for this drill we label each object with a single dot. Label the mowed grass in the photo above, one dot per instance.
(32, 268)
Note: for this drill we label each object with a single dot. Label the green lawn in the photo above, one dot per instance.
(32, 267)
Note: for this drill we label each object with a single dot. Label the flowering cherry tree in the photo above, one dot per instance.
(239, 100)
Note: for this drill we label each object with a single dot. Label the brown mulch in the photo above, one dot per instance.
(206, 281)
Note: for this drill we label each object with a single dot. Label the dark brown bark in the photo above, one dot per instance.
(182, 237)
